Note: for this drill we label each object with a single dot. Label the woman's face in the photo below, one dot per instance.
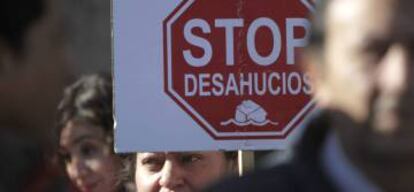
(179, 172)
(90, 163)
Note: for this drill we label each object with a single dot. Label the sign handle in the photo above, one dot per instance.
(245, 162)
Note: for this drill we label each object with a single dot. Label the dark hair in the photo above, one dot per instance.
(88, 99)
(16, 17)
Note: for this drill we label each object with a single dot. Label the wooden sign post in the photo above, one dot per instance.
(245, 162)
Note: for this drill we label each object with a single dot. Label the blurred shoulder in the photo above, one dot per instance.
(281, 178)
(291, 177)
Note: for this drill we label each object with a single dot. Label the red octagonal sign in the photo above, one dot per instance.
(232, 65)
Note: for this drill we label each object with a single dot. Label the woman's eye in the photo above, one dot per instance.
(88, 150)
(153, 164)
(190, 158)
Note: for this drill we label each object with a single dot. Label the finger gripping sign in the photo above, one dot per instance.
(232, 65)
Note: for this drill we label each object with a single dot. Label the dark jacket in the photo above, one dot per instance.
(303, 173)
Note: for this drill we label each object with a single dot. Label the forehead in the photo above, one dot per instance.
(147, 154)
(380, 17)
(358, 15)
(179, 154)
(73, 131)
(160, 154)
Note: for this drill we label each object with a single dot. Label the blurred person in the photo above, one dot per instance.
(32, 74)
(32, 65)
(85, 129)
(181, 171)
(361, 61)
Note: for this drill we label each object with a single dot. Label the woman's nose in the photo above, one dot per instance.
(79, 168)
(172, 176)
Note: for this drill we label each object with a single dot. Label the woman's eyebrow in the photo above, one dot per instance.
(146, 155)
(84, 137)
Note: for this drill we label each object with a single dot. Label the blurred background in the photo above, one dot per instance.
(88, 34)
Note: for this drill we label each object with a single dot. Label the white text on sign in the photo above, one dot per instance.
(252, 83)
(230, 24)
